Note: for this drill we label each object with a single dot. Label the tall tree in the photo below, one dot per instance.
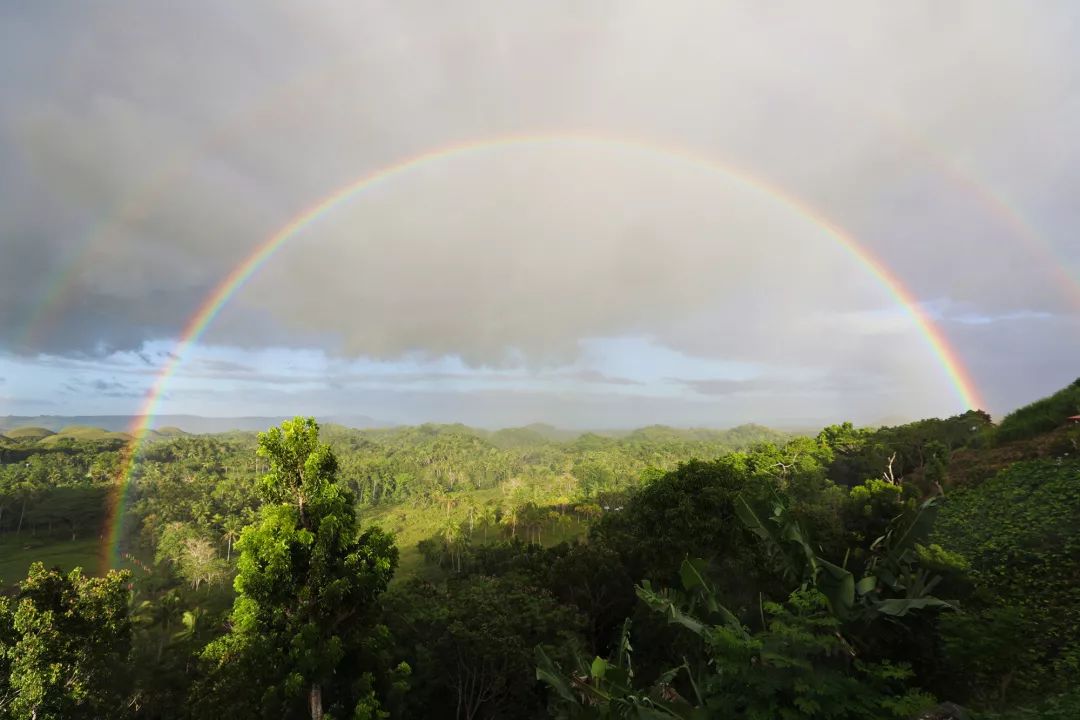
(307, 579)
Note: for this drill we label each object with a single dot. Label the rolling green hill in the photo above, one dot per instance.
(28, 433)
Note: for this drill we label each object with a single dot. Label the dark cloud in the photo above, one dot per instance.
(131, 184)
(100, 388)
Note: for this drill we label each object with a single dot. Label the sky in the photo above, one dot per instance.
(682, 236)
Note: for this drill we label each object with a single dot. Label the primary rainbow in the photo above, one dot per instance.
(958, 376)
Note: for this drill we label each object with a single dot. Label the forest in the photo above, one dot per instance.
(927, 570)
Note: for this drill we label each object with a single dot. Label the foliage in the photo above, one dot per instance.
(65, 635)
(692, 509)
(813, 595)
(798, 665)
(1017, 531)
(470, 644)
(307, 580)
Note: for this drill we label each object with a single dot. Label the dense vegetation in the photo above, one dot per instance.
(925, 570)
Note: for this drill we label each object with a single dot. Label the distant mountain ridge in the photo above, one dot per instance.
(196, 424)
(536, 433)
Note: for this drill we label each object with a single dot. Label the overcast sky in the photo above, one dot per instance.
(146, 148)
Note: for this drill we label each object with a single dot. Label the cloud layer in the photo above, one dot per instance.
(147, 148)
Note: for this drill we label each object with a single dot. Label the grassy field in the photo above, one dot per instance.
(63, 529)
(411, 524)
(17, 552)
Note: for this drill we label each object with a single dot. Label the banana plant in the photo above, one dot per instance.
(892, 584)
(604, 689)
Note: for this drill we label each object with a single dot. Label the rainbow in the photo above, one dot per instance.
(57, 290)
(213, 304)
(993, 202)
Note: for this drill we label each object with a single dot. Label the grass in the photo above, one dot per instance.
(28, 432)
(48, 530)
(81, 432)
(17, 552)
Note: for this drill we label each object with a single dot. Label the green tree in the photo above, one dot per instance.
(68, 635)
(470, 644)
(307, 578)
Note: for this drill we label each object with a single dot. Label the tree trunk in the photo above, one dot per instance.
(315, 700)
(21, 514)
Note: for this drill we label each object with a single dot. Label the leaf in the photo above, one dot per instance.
(750, 519)
(598, 668)
(692, 574)
(547, 672)
(666, 607)
(918, 529)
(622, 658)
(838, 585)
(898, 607)
(693, 577)
(865, 585)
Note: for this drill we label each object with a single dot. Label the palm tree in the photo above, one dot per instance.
(161, 615)
(510, 518)
(470, 507)
(489, 515)
(231, 528)
(191, 622)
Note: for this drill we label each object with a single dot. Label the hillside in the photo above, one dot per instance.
(1041, 416)
(914, 547)
(194, 424)
(24, 433)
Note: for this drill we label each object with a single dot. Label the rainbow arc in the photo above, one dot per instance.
(212, 305)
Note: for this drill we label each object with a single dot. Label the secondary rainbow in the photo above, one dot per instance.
(993, 202)
(958, 376)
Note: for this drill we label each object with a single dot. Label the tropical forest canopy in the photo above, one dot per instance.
(927, 570)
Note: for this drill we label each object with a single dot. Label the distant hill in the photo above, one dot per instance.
(22, 433)
(163, 424)
(82, 432)
(530, 435)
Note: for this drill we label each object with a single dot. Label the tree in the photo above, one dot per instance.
(192, 553)
(69, 635)
(470, 644)
(307, 579)
(230, 533)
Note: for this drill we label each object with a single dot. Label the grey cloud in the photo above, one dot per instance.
(722, 386)
(135, 182)
(100, 388)
(594, 376)
(224, 367)
(826, 382)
